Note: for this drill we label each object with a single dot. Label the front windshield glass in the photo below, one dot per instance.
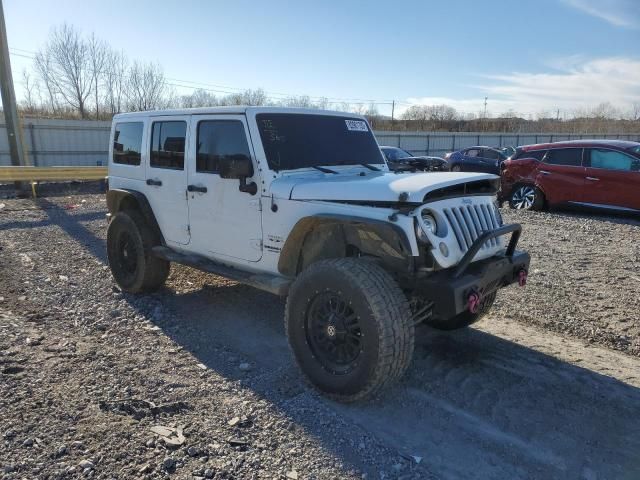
(295, 140)
(635, 149)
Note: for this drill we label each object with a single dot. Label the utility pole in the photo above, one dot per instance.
(558, 115)
(484, 116)
(9, 108)
(393, 110)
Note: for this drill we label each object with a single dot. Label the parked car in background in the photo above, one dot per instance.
(476, 159)
(594, 173)
(399, 159)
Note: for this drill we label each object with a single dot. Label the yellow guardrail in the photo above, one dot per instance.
(32, 174)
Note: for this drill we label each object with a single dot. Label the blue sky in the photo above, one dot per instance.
(528, 55)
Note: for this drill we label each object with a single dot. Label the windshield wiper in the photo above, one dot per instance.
(323, 169)
(366, 165)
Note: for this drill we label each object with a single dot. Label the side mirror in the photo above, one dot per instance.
(238, 167)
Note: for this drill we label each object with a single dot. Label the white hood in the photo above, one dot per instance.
(374, 186)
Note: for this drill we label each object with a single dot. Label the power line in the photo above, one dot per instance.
(216, 88)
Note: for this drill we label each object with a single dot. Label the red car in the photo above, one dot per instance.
(596, 173)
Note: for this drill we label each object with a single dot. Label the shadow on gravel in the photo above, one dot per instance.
(472, 406)
(81, 217)
(69, 222)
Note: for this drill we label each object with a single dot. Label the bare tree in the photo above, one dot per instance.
(98, 52)
(29, 102)
(115, 80)
(198, 98)
(65, 67)
(145, 87)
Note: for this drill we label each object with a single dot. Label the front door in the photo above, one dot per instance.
(561, 175)
(613, 178)
(225, 222)
(166, 177)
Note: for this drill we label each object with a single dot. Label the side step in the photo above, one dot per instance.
(263, 281)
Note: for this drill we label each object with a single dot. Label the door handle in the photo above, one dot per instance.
(196, 188)
(545, 172)
(593, 179)
(151, 181)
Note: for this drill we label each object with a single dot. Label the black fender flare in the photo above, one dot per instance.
(372, 237)
(119, 199)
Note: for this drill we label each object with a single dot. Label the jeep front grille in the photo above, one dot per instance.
(469, 221)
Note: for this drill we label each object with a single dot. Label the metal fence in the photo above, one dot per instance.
(439, 143)
(51, 142)
(86, 142)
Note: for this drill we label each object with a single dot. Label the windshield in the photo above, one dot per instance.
(294, 140)
(394, 153)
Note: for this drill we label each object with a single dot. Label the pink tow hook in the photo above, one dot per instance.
(473, 302)
(522, 277)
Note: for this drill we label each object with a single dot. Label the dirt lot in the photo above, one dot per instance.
(537, 390)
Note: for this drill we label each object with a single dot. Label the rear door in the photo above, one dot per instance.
(561, 175)
(225, 222)
(613, 178)
(166, 177)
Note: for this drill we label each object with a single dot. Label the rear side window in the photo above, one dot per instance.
(167, 145)
(571, 157)
(473, 152)
(219, 139)
(127, 143)
(613, 160)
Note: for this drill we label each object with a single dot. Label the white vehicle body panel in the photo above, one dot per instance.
(225, 223)
(245, 231)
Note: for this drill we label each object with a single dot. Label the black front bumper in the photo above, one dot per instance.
(450, 289)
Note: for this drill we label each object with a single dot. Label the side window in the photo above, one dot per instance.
(537, 154)
(491, 154)
(167, 144)
(219, 139)
(571, 157)
(613, 160)
(127, 143)
(472, 152)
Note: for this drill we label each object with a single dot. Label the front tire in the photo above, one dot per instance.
(526, 197)
(349, 327)
(456, 168)
(129, 244)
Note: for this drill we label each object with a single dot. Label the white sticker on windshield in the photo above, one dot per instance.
(356, 125)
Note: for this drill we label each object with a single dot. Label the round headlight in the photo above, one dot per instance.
(429, 223)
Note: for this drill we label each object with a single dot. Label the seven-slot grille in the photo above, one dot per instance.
(469, 221)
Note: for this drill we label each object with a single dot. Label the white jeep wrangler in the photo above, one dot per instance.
(301, 203)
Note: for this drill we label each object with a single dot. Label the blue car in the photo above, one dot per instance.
(477, 159)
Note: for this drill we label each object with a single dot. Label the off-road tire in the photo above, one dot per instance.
(383, 315)
(464, 319)
(143, 272)
(538, 197)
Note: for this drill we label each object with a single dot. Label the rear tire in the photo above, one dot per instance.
(526, 197)
(349, 326)
(464, 319)
(129, 243)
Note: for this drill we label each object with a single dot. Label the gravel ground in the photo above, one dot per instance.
(585, 277)
(196, 381)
